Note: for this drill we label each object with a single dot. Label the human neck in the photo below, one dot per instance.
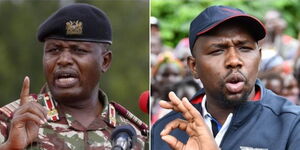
(85, 110)
(219, 112)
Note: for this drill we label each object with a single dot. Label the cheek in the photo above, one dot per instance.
(252, 65)
(90, 69)
(208, 70)
(48, 66)
(208, 76)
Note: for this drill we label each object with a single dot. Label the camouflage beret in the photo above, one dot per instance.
(77, 22)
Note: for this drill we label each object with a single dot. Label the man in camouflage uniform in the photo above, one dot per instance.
(71, 112)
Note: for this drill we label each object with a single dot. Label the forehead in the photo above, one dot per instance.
(49, 42)
(224, 33)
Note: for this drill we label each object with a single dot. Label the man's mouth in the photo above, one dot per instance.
(234, 83)
(65, 78)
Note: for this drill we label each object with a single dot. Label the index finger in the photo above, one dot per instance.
(179, 107)
(176, 102)
(196, 116)
(25, 91)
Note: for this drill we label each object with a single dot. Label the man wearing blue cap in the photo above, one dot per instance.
(233, 111)
(71, 112)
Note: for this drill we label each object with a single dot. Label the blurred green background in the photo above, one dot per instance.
(175, 16)
(21, 53)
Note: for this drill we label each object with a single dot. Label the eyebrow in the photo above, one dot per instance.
(225, 45)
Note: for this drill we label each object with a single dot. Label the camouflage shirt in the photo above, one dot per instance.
(68, 134)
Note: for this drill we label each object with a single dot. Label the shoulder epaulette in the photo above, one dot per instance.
(8, 109)
(44, 99)
(143, 127)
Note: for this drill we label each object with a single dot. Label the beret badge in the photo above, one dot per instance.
(74, 27)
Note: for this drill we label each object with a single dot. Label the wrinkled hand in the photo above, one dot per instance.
(200, 138)
(26, 120)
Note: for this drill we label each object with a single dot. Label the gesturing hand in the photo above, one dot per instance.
(26, 120)
(200, 138)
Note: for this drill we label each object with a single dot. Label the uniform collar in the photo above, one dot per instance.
(99, 123)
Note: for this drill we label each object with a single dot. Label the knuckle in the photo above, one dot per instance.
(178, 120)
(27, 115)
(32, 106)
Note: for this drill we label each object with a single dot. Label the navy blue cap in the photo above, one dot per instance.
(215, 15)
(77, 22)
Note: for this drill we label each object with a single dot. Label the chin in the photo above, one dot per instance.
(235, 97)
(233, 100)
(65, 94)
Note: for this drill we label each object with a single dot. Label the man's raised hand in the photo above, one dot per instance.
(200, 137)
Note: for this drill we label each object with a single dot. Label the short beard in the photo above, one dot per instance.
(230, 103)
(224, 102)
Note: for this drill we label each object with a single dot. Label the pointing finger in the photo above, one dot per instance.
(25, 91)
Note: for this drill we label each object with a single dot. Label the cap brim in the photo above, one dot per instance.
(78, 39)
(255, 25)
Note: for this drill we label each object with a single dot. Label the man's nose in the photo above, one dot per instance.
(65, 58)
(233, 59)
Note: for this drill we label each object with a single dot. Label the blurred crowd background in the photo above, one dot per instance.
(170, 20)
(21, 53)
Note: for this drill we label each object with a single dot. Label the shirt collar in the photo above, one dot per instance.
(205, 113)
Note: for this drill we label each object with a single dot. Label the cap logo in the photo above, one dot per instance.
(74, 27)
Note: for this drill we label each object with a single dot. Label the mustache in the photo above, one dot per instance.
(234, 76)
(65, 72)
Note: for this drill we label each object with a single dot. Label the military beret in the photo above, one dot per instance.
(77, 22)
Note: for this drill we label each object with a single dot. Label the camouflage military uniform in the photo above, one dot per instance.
(68, 134)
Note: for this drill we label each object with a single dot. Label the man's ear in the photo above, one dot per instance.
(259, 56)
(191, 62)
(260, 52)
(107, 58)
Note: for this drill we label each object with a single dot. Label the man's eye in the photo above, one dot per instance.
(52, 50)
(245, 49)
(80, 50)
(216, 52)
